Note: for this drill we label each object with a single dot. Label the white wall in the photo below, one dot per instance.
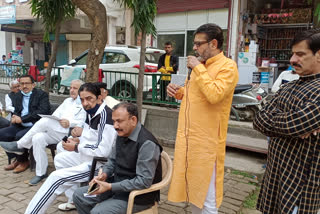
(181, 22)
(8, 42)
(191, 20)
(3, 50)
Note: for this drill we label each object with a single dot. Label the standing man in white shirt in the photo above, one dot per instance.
(50, 131)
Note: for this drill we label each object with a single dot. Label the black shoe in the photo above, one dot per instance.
(36, 179)
(11, 147)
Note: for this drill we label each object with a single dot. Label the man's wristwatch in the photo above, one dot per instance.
(76, 147)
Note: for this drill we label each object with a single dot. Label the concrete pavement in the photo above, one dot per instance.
(15, 194)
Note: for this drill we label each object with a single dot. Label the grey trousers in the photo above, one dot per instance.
(102, 204)
(4, 122)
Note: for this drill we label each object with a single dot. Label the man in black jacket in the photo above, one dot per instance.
(134, 163)
(168, 64)
(28, 103)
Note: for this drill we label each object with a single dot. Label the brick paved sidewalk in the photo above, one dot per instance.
(15, 194)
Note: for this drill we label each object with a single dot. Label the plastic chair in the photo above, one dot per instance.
(166, 178)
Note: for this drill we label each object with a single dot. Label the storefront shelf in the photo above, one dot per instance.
(295, 25)
(275, 49)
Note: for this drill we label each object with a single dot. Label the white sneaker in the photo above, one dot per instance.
(66, 206)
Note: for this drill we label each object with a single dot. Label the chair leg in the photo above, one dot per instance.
(32, 161)
(155, 208)
(53, 153)
(10, 157)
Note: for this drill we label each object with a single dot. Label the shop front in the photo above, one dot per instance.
(266, 31)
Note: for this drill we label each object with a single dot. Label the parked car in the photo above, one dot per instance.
(125, 61)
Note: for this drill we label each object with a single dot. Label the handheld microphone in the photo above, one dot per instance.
(190, 69)
(189, 73)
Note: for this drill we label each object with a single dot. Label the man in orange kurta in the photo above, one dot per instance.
(203, 121)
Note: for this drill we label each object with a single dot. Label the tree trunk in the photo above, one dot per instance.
(97, 15)
(53, 56)
(141, 73)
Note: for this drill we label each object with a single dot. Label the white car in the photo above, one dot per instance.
(121, 64)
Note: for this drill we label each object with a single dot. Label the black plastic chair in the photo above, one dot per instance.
(52, 148)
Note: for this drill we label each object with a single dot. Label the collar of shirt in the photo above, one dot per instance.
(135, 133)
(214, 58)
(309, 77)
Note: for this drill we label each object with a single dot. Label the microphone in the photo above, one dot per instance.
(189, 73)
(196, 54)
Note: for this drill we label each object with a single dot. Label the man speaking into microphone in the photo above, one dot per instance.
(203, 121)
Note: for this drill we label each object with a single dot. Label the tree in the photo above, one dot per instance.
(97, 15)
(52, 13)
(144, 13)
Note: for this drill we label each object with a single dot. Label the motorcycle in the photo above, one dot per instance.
(247, 101)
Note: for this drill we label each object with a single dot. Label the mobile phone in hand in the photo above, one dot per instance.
(65, 139)
(92, 188)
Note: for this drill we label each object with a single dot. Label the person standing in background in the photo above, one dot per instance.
(168, 64)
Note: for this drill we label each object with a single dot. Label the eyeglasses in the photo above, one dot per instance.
(198, 44)
(25, 83)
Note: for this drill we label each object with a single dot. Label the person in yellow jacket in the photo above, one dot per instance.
(203, 121)
(168, 64)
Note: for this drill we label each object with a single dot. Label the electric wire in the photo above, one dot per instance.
(186, 133)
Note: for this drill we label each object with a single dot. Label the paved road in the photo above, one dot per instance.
(15, 194)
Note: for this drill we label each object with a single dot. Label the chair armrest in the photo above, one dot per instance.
(152, 188)
(93, 165)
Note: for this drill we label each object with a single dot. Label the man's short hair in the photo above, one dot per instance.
(168, 43)
(3, 56)
(13, 82)
(312, 37)
(78, 81)
(91, 87)
(212, 31)
(28, 76)
(131, 108)
(101, 85)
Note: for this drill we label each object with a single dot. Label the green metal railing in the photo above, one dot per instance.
(9, 72)
(123, 86)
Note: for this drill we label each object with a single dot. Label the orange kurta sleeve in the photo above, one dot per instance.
(215, 89)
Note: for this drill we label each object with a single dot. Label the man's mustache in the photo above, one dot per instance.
(297, 65)
(119, 130)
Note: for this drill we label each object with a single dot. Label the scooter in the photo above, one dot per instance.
(247, 101)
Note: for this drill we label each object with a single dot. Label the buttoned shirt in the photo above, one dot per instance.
(292, 176)
(72, 110)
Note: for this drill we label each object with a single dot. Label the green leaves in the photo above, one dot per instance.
(317, 12)
(144, 13)
(52, 12)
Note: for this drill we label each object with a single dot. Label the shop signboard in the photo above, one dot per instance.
(8, 14)
(21, 26)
